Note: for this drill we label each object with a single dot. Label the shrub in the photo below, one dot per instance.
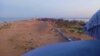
(5, 26)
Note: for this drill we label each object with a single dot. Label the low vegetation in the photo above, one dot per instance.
(73, 26)
(4, 26)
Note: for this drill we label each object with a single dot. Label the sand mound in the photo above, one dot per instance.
(21, 36)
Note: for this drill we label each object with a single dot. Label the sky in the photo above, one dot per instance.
(14, 9)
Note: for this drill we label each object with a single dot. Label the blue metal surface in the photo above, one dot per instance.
(92, 27)
(75, 48)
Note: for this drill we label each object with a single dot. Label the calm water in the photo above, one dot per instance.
(80, 19)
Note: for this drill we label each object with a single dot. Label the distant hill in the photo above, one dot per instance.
(21, 36)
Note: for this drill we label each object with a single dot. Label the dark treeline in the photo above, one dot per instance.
(63, 22)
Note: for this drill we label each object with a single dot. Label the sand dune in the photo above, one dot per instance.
(19, 37)
(22, 36)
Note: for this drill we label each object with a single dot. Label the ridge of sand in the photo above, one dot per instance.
(21, 36)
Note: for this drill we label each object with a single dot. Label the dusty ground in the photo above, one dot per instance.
(19, 37)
